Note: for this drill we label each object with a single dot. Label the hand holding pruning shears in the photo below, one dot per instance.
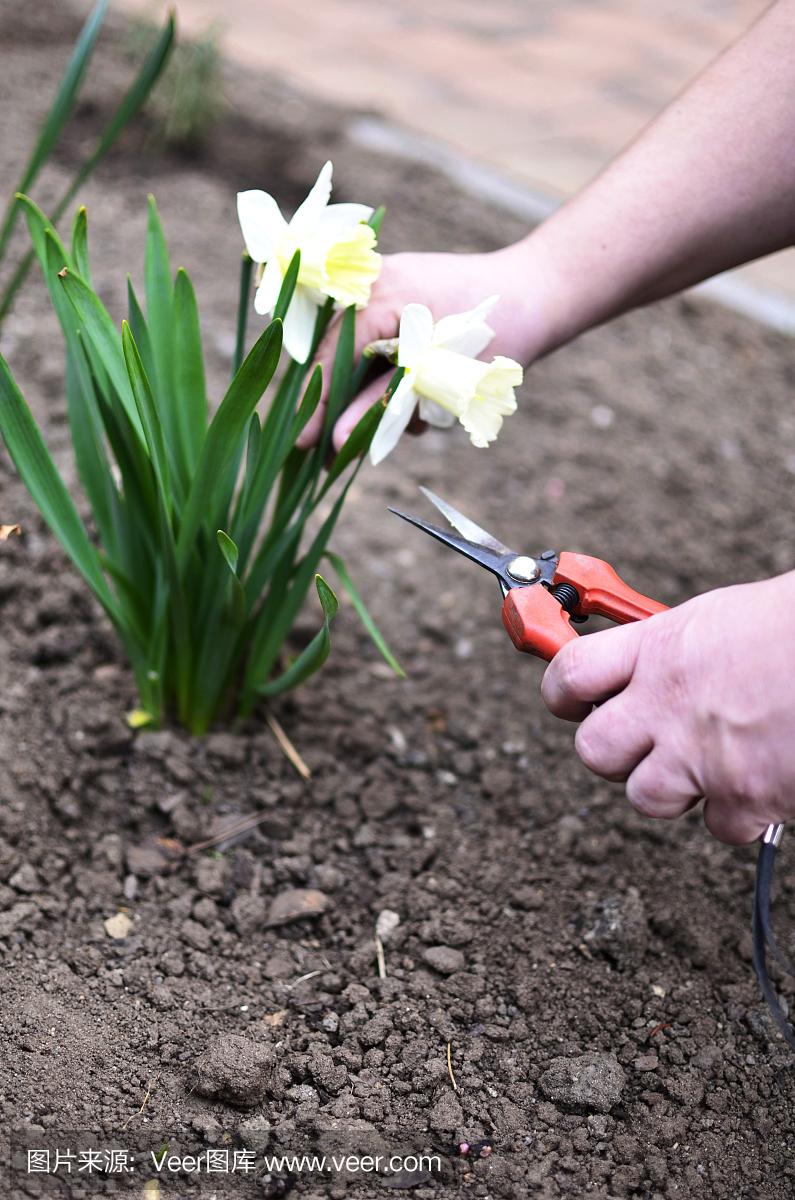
(679, 715)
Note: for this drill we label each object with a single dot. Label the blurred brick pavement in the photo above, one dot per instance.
(544, 91)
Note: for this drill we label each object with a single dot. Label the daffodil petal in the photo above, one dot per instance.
(471, 342)
(337, 219)
(307, 214)
(393, 423)
(403, 395)
(451, 326)
(299, 324)
(416, 334)
(262, 223)
(270, 285)
(434, 414)
(466, 333)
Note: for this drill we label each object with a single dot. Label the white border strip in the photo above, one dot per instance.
(769, 308)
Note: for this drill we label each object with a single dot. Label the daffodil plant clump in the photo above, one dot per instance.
(199, 556)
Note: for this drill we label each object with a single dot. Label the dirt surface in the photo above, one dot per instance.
(587, 971)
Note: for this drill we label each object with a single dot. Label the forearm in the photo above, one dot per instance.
(710, 184)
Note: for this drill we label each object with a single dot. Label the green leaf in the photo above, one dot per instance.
(140, 330)
(246, 267)
(80, 244)
(225, 433)
(229, 551)
(189, 383)
(42, 233)
(90, 454)
(364, 616)
(309, 403)
(97, 327)
(313, 656)
(375, 219)
(339, 392)
(132, 100)
(147, 412)
(58, 114)
(273, 627)
(360, 437)
(159, 319)
(253, 449)
(157, 284)
(288, 287)
(40, 476)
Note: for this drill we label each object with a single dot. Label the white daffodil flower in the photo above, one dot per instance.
(446, 379)
(337, 256)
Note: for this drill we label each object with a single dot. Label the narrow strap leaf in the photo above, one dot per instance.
(140, 330)
(229, 551)
(97, 326)
(189, 382)
(375, 219)
(59, 111)
(313, 656)
(80, 244)
(226, 431)
(246, 268)
(288, 287)
(132, 100)
(358, 441)
(364, 616)
(339, 392)
(40, 476)
(148, 415)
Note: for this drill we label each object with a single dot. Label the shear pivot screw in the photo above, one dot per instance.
(523, 569)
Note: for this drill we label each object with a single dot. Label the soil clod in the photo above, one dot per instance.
(235, 1070)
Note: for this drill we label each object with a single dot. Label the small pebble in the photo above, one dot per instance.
(444, 959)
(296, 904)
(118, 927)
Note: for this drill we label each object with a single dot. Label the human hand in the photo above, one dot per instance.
(445, 283)
(697, 701)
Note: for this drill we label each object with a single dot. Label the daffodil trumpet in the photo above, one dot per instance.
(444, 377)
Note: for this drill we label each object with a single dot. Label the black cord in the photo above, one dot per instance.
(763, 937)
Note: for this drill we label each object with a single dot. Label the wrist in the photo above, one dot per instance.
(539, 308)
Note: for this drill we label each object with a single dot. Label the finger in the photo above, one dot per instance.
(734, 824)
(591, 669)
(662, 787)
(612, 740)
(348, 421)
(367, 330)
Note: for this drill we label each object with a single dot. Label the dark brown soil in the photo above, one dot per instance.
(571, 925)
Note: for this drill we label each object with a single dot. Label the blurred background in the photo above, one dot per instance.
(527, 99)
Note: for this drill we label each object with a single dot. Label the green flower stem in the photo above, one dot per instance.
(246, 267)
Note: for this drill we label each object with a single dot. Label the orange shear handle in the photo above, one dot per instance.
(601, 590)
(536, 622)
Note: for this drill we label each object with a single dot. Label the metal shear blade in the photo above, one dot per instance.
(467, 528)
(484, 555)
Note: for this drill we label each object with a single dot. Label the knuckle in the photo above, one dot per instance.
(649, 791)
(568, 664)
(590, 747)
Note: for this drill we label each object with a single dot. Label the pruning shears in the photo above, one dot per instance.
(543, 597)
